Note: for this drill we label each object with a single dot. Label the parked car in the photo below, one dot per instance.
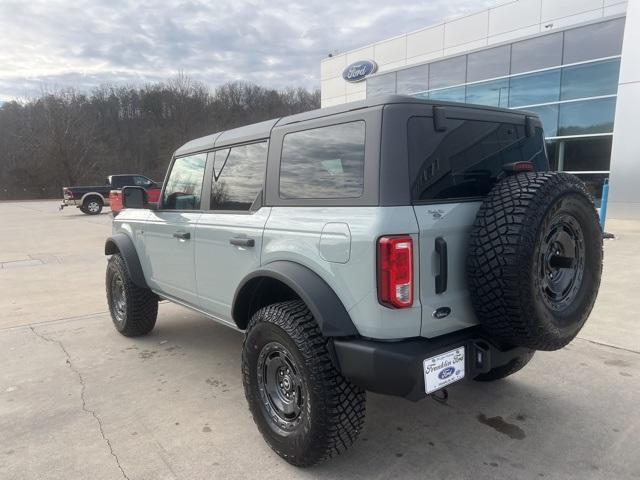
(394, 245)
(115, 199)
(92, 199)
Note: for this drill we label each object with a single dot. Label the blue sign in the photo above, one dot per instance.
(358, 71)
(446, 373)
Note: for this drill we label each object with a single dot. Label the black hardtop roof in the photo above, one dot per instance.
(261, 130)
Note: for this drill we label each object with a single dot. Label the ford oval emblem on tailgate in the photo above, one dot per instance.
(441, 312)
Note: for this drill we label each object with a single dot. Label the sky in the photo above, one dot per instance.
(49, 44)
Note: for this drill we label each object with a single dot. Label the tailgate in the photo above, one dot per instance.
(443, 240)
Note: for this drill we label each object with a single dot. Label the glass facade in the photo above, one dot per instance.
(590, 80)
(568, 78)
(494, 93)
(413, 80)
(490, 63)
(447, 72)
(455, 94)
(536, 53)
(534, 88)
(586, 117)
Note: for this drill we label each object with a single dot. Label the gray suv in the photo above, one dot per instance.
(394, 245)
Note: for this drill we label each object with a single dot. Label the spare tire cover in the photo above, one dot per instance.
(535, 259)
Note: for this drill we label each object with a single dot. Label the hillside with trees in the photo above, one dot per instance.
(72, 138)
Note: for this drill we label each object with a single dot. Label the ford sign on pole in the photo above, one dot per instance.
(358, 71)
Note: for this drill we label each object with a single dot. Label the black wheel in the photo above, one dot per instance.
(305, 410)
(133, 309)
(92, 205)
(510, 368)
(535, 260)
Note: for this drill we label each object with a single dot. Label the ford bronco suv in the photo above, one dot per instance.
(394, 245)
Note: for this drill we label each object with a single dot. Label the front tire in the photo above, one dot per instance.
(304, 408)
(133, 309)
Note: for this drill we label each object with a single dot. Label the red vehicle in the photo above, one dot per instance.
(115, 198)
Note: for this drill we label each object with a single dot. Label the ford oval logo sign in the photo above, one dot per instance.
(358, 71)
(446, 373)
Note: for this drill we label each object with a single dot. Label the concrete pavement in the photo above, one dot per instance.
(77, 400)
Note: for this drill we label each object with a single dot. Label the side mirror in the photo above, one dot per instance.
(134, 197)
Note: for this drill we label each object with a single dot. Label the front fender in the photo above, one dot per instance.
(325, 306)
(122, 243)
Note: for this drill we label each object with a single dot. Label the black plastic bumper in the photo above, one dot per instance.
(396, 368)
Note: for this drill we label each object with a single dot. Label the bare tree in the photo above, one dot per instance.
(67, 137)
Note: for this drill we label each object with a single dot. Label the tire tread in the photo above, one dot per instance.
(344, 405)
(502, 240)
(142, 303)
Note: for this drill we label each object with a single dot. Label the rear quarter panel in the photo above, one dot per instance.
(350, 233)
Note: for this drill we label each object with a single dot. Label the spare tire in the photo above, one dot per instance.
(535, 259)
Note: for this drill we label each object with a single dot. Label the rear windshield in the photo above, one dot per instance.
(465, 160)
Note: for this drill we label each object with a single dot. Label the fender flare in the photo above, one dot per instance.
(325, 306)
(105, 201)
(121, 243)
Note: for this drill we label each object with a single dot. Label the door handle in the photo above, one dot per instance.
(441, 278)
(182, 235)
(242, 242)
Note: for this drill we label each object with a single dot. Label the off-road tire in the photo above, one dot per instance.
(516, 228)
(88, 205)
(333, 410)
(138, 314)
(510, 368)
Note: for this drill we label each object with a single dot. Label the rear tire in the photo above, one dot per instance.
(304, 408)
(510, 368)
(535, 260)
(92, 205)
(133, 309)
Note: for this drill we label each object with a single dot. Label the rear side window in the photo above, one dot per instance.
(466, 160)
(238, 176)
(325, 162)
(120, 181)
(184, 185)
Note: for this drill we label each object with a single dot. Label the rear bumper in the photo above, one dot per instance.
(396, 368)
(67, 202)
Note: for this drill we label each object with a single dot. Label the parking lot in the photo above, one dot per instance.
(78, 400)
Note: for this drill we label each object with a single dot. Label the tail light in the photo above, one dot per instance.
(395, 271)
(519, 167)
(67, 193)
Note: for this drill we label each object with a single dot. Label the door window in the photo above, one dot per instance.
(184, 185)
(238, 176)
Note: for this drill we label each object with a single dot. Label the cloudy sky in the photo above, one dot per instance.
(50, 44)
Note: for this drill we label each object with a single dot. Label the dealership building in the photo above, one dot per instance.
(576, 63)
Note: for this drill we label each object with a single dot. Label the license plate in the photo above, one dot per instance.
(443, 369)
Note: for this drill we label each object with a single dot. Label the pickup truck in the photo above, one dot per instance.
(92, 199)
